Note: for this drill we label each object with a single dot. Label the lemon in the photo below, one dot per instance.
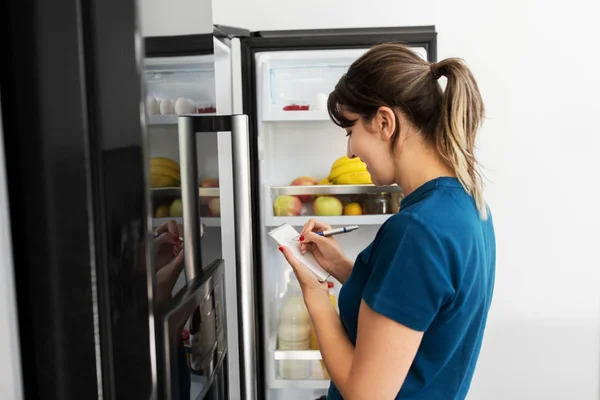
(162, 211)
(353, 209)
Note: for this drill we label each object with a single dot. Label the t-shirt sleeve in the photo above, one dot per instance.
(410, 278)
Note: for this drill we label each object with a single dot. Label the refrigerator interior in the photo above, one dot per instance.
(296, 138)
(192, 78)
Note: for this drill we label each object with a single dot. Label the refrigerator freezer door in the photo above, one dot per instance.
(10, 365)
(73, 131)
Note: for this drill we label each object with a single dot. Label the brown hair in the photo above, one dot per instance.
(393, 75)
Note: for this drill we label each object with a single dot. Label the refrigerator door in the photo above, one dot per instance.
(185, 67)
(73, 118)
(287, 76)
(10, 365)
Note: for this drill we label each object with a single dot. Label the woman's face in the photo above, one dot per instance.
(371, 142)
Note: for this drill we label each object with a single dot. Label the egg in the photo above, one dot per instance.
(185, 106)
(166, 107)
(152, 107)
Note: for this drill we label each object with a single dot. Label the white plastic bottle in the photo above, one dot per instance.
(294, 332)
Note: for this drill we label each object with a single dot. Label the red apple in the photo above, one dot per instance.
(214, 207)
(304, 181)
(287, 206)
(208, 183)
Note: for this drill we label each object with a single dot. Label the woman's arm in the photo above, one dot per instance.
(384, 351)
(342, 270)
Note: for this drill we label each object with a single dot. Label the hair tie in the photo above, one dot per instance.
(435, 71)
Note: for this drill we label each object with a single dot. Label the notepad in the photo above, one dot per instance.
(284, 236)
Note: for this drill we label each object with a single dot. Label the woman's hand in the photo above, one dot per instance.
(168, 259)
(167, 245)
(311, 287)
(326, 250)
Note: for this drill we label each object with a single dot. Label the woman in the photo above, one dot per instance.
(413, 305)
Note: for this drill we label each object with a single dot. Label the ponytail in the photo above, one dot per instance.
(395, 76)
(462, 113)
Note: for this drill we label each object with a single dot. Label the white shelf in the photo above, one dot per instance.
(174, 192)
(274, 116)
(317, 384)
(304, 355)
(332, 190)
(169, 119)
(207, 221)
(333, 221)
(211, 221)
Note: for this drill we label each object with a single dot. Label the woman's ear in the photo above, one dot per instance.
(385, 123)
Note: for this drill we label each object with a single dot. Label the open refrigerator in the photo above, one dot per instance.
(280, 80)
(93, 321)
(288, 76)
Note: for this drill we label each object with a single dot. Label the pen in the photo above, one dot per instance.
(156, 234)
(335, 231)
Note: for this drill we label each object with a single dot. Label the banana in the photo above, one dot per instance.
(165, 162)
(324, 181)
(344, 160)
(164, 171)
(159, 181)
(354, 178)
(347, 169)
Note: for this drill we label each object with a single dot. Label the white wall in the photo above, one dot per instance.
(537, 66)
(175, 17)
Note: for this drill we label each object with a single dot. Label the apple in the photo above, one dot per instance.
(331, 206)
(208, 183)
(176, 209)
(214, 207)
(287, 206)
(304, 181)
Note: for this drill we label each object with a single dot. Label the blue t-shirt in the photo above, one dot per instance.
(431, 268)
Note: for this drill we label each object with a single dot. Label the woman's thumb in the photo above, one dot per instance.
(313, 237)
(166, 238)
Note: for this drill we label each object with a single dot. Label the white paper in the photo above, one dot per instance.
(284, 236)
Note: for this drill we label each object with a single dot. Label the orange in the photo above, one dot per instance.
(353, 209)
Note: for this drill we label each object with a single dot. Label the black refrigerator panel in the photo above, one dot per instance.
(72, 122)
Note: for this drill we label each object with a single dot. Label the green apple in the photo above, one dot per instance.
(328, 206)
(176, 209)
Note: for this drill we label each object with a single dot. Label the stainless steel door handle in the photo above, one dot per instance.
(189, 197)
(189, 126)
(240, 142)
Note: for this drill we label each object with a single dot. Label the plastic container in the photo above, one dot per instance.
(395, 200)
(314, 344)
(376, 203)
(294, 332)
